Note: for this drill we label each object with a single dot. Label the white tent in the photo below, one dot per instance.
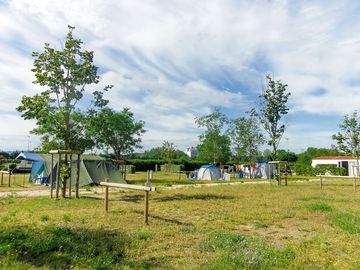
(209, 172)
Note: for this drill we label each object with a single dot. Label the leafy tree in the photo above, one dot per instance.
(348, 138)
(214, 146)
(168, 151)
(157, 153)
(153, 153)
(246, 138)
(116, 130)
(307, 156)
(63, 74)
(273, 106)
(284, 155)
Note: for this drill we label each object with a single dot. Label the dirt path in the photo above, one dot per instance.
(36, 193)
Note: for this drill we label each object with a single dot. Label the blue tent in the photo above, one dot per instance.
(37, 169)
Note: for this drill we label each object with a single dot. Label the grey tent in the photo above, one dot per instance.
(93, 169)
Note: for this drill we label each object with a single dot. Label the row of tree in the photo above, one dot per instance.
(242, 137)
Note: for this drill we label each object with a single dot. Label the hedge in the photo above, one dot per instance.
(143, 165)
(308, 170)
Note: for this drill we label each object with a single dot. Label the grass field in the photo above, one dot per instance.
(226, 227)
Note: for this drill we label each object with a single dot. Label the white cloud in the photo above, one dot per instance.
(171, 61)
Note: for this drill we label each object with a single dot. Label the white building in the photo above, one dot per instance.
(347, 162)
(191, 151)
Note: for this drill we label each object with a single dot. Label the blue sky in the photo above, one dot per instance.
(171, 61)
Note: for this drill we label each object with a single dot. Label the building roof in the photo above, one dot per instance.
(334, 158)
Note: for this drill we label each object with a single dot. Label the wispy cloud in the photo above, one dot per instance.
(171, 61)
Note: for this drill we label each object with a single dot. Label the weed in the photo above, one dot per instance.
(44, 218)
(260, 225)
(238, 252)
(347, 221)
(66, 218)
(321, 207)
(144, 235)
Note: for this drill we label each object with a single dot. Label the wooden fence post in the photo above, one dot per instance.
(321, 183)
(106, 196)
(279, 175)
(70, 176)
(9, 184)
(286, 174)
(354, 184)
(146, 210)
(2, 178)
(77, 177)
(58, 178)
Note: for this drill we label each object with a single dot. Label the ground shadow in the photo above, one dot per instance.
(166, 219)
(183, 197)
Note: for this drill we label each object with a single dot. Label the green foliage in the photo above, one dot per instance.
(171, 168)
(246, 138)
(301, 169)
(330, 168)
(116, 130)
(312, 152)
(239, 252)
(153, 153)
(214, 146)
(168, 151)
(157, 153)
(273, 106)
(64, 75)
(143, 165)
(347, 221)
(348, 139)
(284, 155)
(319, 207)
(65, 248)
(308, 170)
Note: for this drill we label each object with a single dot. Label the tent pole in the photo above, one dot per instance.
(77, 177)
(52, 176)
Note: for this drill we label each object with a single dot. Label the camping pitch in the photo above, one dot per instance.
(93, 169)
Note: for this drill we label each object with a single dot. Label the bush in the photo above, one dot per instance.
(308, 170)
(332, 169)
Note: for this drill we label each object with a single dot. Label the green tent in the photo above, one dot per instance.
(93, 169)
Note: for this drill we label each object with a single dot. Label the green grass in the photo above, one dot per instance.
(347, 221)
(239, 252)
(223, 227)
(321, 207)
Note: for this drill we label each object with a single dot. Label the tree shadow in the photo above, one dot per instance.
(183, 197)
(57, 247)
(166, 219)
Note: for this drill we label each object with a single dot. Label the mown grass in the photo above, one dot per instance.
(222, 227)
